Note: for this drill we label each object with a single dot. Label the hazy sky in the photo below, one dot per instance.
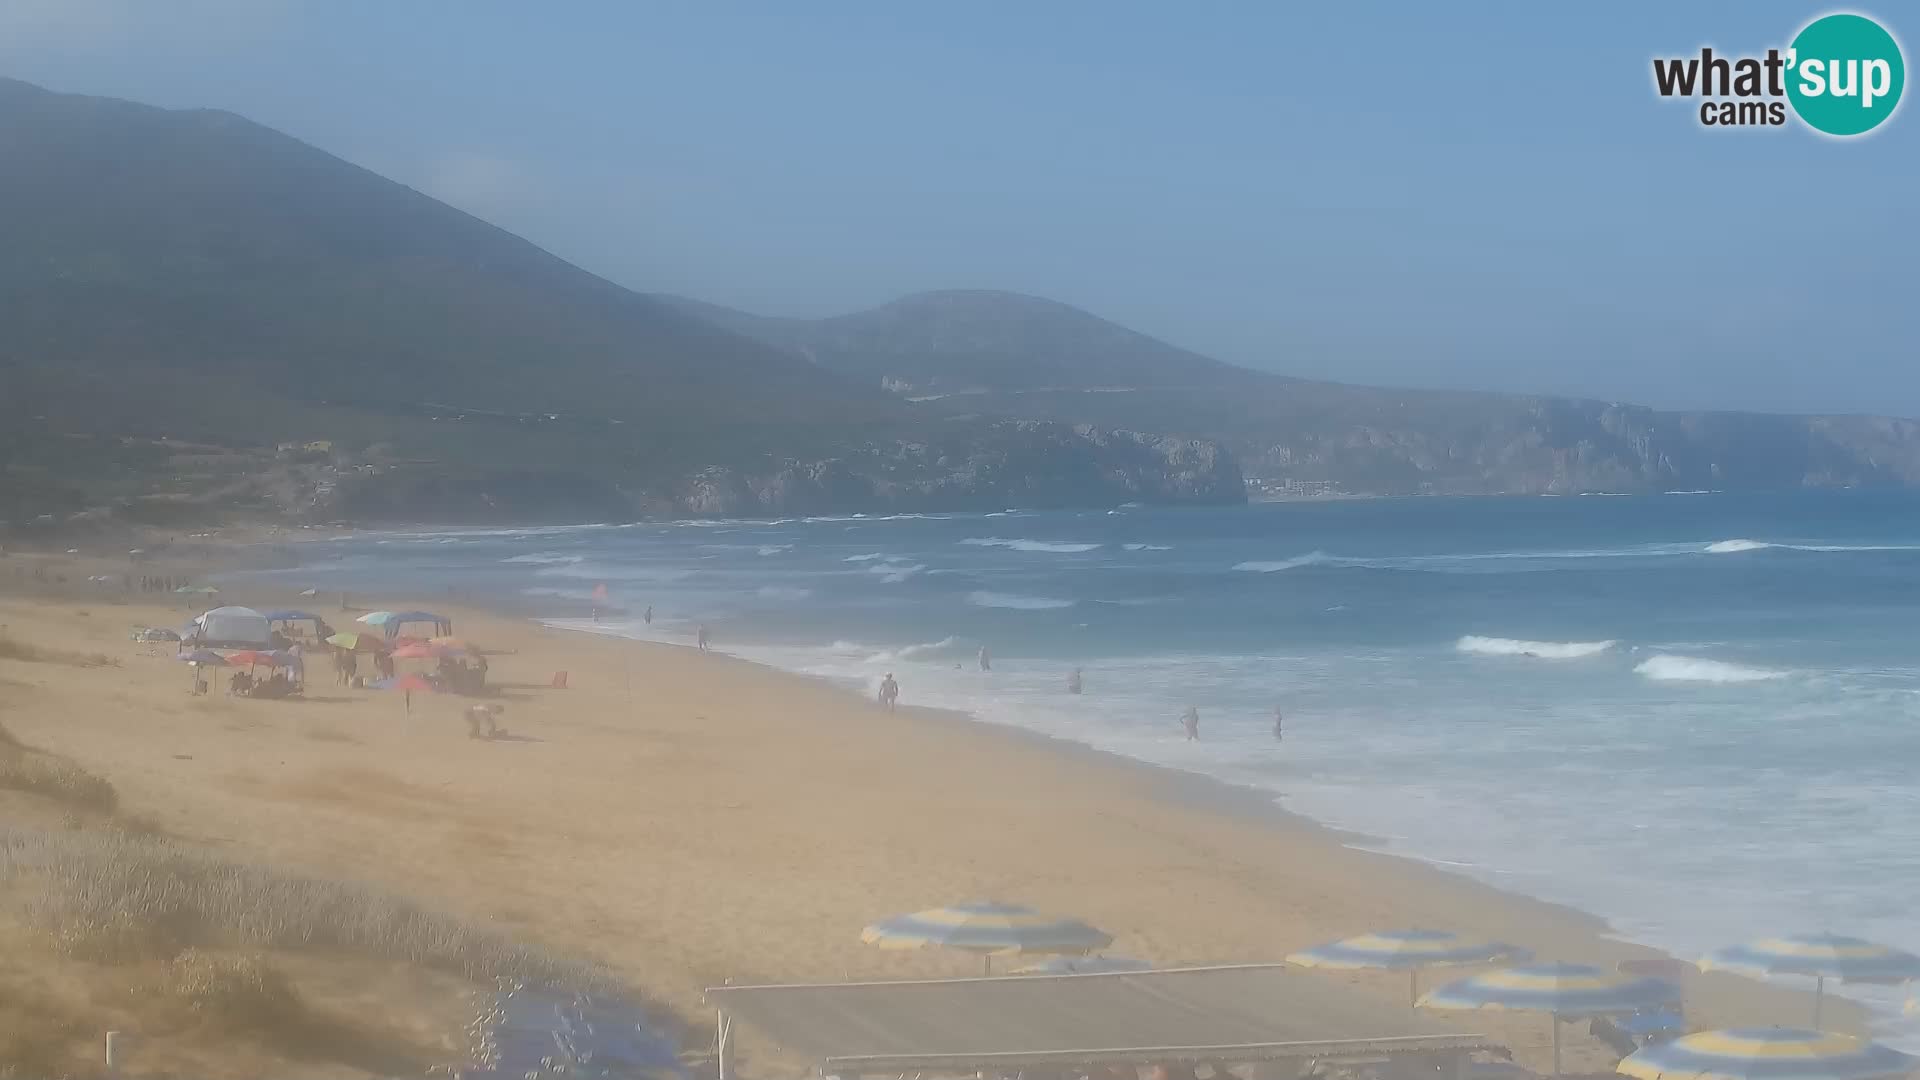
(1425, 194)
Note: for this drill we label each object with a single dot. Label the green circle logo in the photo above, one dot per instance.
(1845, 74)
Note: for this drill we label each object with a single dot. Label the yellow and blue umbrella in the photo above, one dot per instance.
(1562, 990)
(1409, 951)
(1822, 956)
(1766, 1054)
(988, 929)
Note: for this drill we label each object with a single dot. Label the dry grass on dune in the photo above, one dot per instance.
(23, 768)
(112, 897)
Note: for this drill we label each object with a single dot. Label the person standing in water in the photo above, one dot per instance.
(1191, 721)
(700, 638)
(1279, 725)
(986, 661)
(647, 617)
(1073, 681)
(889, 691)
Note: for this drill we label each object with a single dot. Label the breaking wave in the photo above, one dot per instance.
(1148, 547)
(868, 557)
(1016, 601)
(1669, 668)
(1539, 650)
(912, 652)
(545, 557)
(1311, 558)
(1064, 547)
(1725, 547)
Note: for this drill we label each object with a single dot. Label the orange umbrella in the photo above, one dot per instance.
(254, 658)
(419, 651)
(406, 684)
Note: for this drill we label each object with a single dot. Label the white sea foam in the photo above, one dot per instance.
(545, 557)
(1539, 650)
(1724, 547)
(913, 652)
(1147, 547)
(1669, 668)
(868, 557)
(1311, 558)
(1058, 546)
(774, 549)
(1015, 600)
(895, 572)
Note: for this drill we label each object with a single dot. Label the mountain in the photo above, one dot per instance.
(1013, 355)
(183, 291)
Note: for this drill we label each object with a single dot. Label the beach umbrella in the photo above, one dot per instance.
(376, 618)
(420, 650)
(1822, 956)
(250, 658)
(196, 590)
(1560, 990)
(351, 642)
(203, 656)
(988, 929)
(1084, 965)
(1766, 1054)
(406, 684)
(1409, 951)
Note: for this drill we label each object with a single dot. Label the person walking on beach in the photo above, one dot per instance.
(700, 639)
(1073, 681)
(889, 691)
(1191, 721)
(647, 616)
(986, 661)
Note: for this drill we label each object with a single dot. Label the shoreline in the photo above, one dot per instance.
(690, 819)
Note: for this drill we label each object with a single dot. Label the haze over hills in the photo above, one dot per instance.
(1014, 355)
(194, 275)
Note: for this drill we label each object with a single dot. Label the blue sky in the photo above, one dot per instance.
(1476, 195)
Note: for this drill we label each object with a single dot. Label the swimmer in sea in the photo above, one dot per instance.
(1073, 682)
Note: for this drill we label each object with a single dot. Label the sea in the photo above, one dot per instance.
(1696, 714)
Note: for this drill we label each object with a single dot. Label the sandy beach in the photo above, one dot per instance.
(693, 819)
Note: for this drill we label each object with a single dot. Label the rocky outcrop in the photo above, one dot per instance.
(1024, 464)
(988, 466)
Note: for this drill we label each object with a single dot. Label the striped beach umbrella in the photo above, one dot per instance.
(1767, 1054)
(986, 928)
(1821, 956)
(1409, 951)
(1570, 991)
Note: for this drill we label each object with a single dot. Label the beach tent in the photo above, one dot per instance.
(442, 626)
(288, 615)
(235, 628)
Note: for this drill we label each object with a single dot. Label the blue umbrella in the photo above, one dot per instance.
(1822, 956)
(1766, 1054)
(1561, 990)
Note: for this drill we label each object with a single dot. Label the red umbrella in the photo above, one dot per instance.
(253, 658)
(407, 684)
(421, 651)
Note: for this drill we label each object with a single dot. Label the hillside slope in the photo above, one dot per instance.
(137, 241)
(183, 291)
(1001, 353)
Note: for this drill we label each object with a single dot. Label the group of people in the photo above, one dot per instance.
(277, 685)
(889, 697)
(155, 583)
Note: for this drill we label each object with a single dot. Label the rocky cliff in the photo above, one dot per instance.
(995, 466)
